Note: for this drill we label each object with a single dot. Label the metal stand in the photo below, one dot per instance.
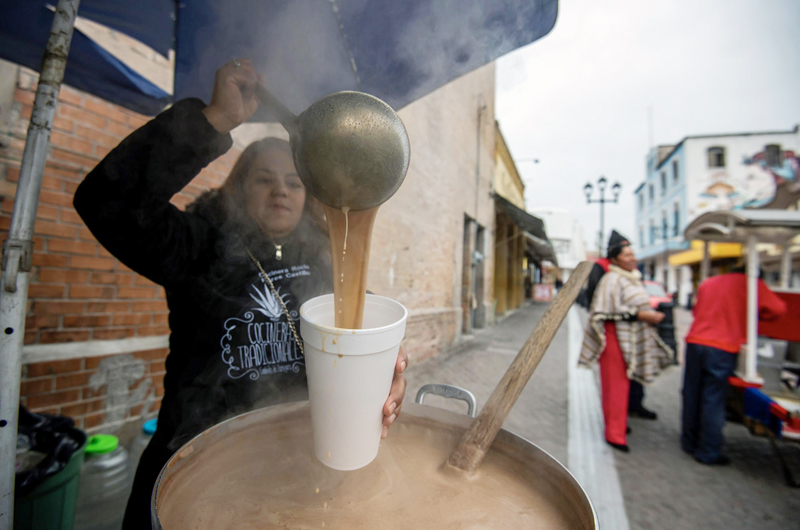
(18, 248)
(787, 473)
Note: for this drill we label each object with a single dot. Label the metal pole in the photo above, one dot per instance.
(786, 266)
(18, 248)
(752, 309)
(602, 220)
(705, 265)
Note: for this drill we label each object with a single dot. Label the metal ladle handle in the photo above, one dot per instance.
(451, 392)
(285, 116)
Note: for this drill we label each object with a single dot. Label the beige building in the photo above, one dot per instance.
(431, 247)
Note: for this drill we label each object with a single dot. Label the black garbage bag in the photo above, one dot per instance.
(54, 436)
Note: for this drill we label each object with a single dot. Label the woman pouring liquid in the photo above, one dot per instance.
(236, 266)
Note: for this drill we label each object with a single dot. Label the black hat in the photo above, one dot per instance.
(617, 240)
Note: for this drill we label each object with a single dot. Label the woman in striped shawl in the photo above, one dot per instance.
(622, 337)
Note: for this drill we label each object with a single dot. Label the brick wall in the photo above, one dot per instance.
(79, 292)
(79, 388)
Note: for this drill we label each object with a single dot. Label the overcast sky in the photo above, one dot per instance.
(578, 98)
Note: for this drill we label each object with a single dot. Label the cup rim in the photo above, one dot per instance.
(367, 331)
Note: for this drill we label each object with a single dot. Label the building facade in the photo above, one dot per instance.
(522, 250)
(566, 235)
(701, 174)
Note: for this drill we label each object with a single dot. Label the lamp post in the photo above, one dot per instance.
(602, 183)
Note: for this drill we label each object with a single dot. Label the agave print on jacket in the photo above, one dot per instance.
(261, 342)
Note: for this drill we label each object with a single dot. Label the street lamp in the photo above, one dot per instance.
(602, 183)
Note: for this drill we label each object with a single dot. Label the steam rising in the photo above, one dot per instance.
(397, 51)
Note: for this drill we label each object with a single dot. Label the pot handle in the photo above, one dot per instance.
(452, 392)
(284, 115)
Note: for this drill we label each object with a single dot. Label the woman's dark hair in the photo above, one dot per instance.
(233, 189)
(615, 251)
(226, 206)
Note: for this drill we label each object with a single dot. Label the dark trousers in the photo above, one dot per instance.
(705, 386)
(137, 513)
(636, 396)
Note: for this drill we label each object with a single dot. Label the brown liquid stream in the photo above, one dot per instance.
(350, 234)
(266, 477)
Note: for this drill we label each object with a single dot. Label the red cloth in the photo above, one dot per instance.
(603, 262)
(786, 327)
(615, 385)
(720, 314)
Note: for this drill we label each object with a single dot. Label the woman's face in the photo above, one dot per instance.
(274, 194)
(626, 260)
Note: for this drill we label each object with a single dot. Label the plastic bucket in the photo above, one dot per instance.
(349, 377)
(51, 505)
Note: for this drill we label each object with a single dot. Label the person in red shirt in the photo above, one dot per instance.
(717, 333)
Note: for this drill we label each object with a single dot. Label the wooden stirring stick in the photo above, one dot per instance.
(477, 440)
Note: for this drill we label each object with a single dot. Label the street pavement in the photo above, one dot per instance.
(662, 487)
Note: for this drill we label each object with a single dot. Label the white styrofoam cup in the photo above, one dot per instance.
(350, 375)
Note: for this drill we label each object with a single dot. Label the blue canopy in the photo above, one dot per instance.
(397, 51)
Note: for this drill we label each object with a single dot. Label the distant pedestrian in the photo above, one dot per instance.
(622, 337)
(636, 395)
(717, 333)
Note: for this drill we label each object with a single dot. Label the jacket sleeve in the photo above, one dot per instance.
(125, 200)
(770, 306)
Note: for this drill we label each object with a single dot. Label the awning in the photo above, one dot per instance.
(768, 226)
(397, 51)
(715, 251)
(535, 235)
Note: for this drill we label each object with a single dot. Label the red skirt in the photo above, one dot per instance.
(615, 387)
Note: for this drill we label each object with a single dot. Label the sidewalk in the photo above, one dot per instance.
(662, 487)
(540, 414)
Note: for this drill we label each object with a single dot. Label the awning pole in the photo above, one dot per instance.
(705, 265)
(18, 248)
(786, 266)
(752, 310)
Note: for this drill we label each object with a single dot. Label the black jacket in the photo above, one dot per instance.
(231, 348)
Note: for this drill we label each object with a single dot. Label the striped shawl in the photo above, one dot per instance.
(618, 298)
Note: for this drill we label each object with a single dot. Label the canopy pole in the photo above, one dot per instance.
(18, 248)
(752, 310)
(705, 265)
(786, 266)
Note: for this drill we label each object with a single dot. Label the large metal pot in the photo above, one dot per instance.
(573, 500)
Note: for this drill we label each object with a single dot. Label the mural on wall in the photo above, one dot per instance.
(755, 187)
(764, 178)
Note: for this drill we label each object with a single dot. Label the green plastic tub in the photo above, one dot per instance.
(51, 506)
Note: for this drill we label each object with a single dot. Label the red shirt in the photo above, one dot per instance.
(720, 314)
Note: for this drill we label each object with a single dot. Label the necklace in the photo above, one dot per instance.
(278, 252)
(276, 295)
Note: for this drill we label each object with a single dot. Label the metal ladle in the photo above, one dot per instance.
(350, 149)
